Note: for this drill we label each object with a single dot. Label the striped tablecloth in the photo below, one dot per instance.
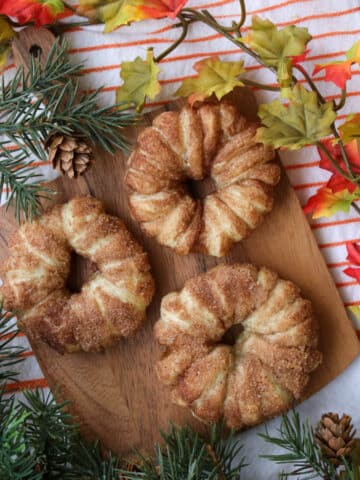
(334, 25)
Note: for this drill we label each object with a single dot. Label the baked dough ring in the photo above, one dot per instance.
(110, 305)
(195, 142)
(269, 364)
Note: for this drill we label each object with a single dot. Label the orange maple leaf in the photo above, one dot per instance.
(340, 71)
(336, 72)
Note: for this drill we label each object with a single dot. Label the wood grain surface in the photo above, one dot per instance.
(116, 393)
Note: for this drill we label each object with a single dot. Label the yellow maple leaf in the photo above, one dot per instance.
(350, 129)
(215, 76)
(6, 35)
(140, 81)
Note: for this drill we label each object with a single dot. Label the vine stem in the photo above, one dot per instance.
(206, 18)
(341, 101)
(307, 77)
(356, 207)
(252, 83)
(185, 27)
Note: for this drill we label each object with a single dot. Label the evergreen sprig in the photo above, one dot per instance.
(303, 453)
(43, 101)
(190, 456)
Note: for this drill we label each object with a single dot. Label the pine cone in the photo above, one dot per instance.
(335, 436)
(70, 155)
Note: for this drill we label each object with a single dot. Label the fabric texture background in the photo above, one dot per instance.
(335, 26)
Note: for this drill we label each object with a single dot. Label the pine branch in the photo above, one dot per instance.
(10, 354)
(41, 102)
(19, 183)
(302, 451)
(188, 455)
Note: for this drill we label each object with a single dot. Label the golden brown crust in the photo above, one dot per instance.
(268, 366)
(209, 139)
(110, 305)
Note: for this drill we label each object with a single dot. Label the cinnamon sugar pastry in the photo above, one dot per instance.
(110, 305)
(268, 366)
(193, 143)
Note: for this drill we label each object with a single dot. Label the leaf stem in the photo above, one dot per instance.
(307, 77)
(356, 207)
(252, 83)
(342, 100)
(69, 7)
(185, 26)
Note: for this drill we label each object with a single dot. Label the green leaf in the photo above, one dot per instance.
(276, 48)
(273, 45)
(140, 81)
(302, 122)
(215, 76)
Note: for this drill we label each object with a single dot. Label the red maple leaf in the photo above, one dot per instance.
(353, 251)
(40, 12)
(336, 72)
(162, 8)
(336, 182)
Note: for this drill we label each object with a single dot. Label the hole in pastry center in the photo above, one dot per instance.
(81, 269)
(199, 189)
(232, 334)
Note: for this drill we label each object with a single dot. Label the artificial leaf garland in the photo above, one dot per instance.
(140, 81)
(214, 77)
(303, 121)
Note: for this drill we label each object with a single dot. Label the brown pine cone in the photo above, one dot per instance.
(70, 155)
(335, 436)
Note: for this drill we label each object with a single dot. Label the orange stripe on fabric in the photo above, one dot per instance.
(319, 16)
(314, 226)
(29, 353)
(302, 165)
(336, 244)
(273, 7)
(9, 335)
(337, 264)
(352, 304)
(26, 385)
(346, 284)
(8, 67)
(308, 185)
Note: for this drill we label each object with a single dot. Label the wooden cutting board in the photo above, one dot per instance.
(116, 393)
